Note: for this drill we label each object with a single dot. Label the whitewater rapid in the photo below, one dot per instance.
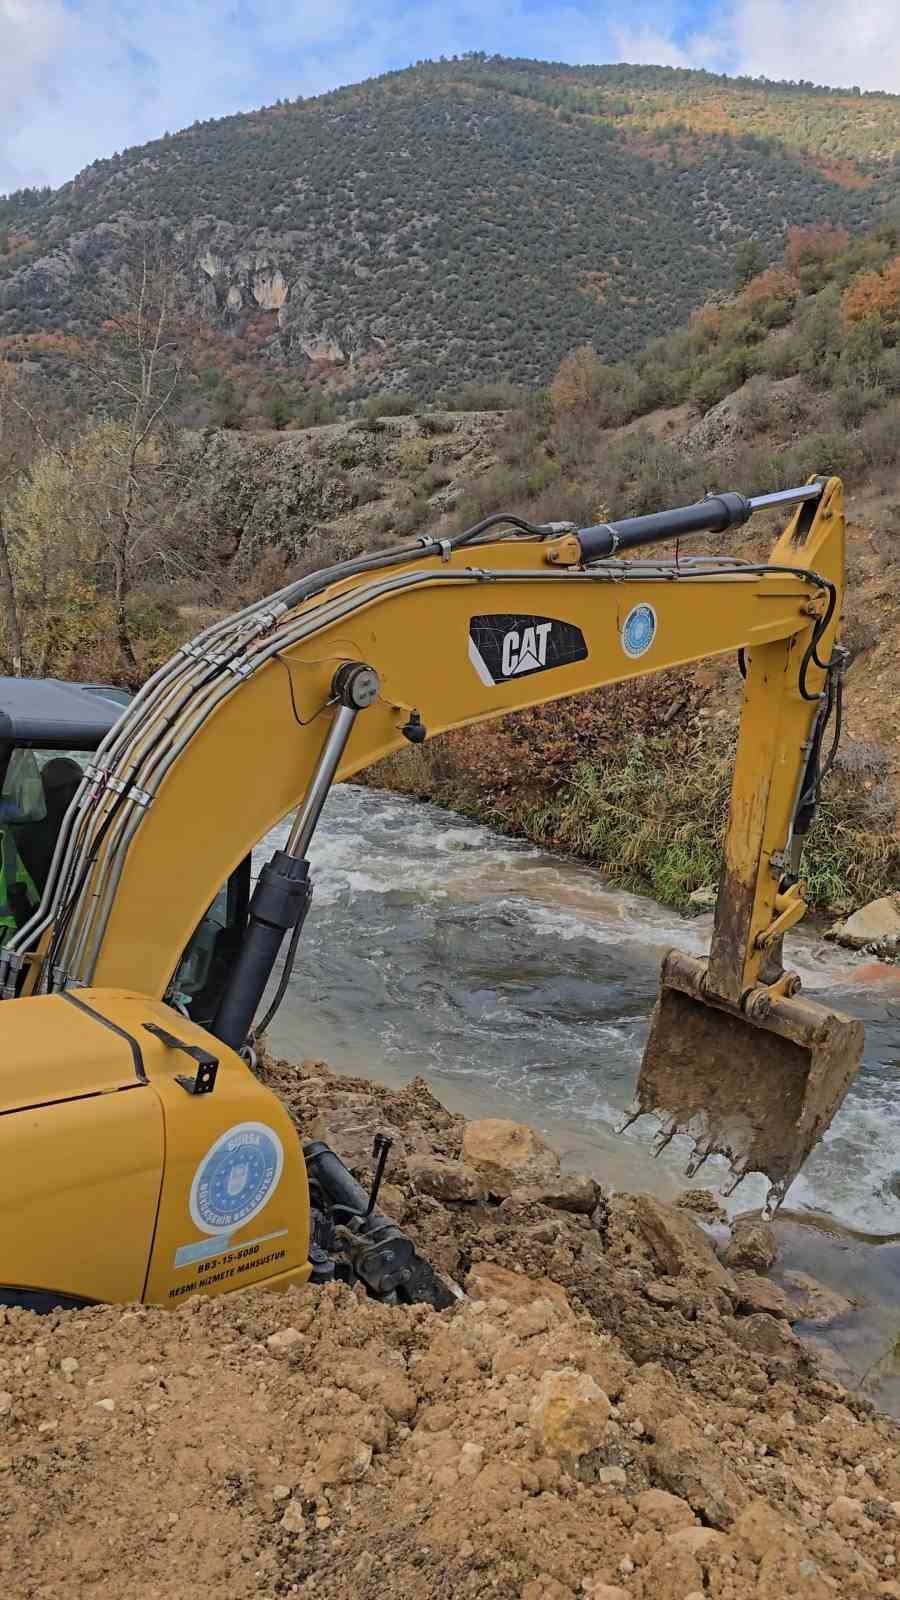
(520, 984)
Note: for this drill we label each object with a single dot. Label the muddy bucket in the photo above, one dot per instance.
(759, 1086)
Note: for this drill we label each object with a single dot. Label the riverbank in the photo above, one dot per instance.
(636, 781)
(613, 1411)
(851, 1323)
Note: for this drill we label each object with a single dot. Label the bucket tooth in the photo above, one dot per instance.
(758, 1085)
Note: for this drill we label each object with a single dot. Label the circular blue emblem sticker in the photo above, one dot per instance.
(639, 631)
(236, 1177)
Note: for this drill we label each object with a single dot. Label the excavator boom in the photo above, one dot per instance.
(259, 715)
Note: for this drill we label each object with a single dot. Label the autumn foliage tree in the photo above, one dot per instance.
(584, 386)
(811, 246)
(873, 294)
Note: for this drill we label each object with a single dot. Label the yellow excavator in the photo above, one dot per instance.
(140, 1157)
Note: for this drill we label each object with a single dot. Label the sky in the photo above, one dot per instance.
(82, 78)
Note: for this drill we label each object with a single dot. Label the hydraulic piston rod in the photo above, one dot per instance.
(714, 514)
(283, 891)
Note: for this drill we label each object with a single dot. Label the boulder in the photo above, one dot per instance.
(756, 1294)
(665, 1510)
(576, 1192)
(697, 1541)
(768, 1336)
(569, 1415)
(444, 1179)
(877, 923)
(688, 1466)
(817, 1303)
(487, 1281)
(679, 1245)
(508, 1155)
(753, 1245)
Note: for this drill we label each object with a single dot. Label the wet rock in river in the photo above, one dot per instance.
(876, 924)
(753, 1245)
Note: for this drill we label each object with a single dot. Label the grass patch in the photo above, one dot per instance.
(653, 819)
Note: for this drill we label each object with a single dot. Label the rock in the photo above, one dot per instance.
(283, 1339)
(651, 1401)
(508, 1155)
(818, 1304)
(471, 1460)
(293, 1520)
(663, 1294)
(487, 1281)
(545, 1588)
(349, 1124)
(689, 1467)
(877, 923)
(616, 1477)
(678, 1245)
(760, 1294)
(6, 1401)
(68, 1367)
(575, 1192)
(569, 1414)
(703, 1203)
(704, 899)
(392, 1201)
(843, 1510)
(753, 1245)
(664, 1509)
(444, 1179)
(343, 1459)
(769, 1336)
(105, 1405)
(696, 1541)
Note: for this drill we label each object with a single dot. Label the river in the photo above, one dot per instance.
(520, 984)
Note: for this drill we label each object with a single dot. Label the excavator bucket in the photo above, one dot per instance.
(759, 1084)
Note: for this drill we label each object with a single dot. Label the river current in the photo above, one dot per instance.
(520, 984)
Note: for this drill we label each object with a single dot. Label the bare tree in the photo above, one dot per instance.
(13, 454)
(136, 366)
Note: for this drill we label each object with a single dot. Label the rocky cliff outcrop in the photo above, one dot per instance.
(324, 493)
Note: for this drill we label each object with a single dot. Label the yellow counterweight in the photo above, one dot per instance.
(117, 1183)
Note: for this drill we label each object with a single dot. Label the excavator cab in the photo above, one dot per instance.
(49, 733)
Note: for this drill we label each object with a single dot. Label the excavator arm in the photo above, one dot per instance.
(263, 711)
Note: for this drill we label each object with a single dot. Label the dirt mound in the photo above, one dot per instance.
(595, 1419)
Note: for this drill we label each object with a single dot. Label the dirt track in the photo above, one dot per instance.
(632, 1426)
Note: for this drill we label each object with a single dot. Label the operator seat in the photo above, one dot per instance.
(60, 781)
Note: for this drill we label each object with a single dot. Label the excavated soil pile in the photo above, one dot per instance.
(612, 1412)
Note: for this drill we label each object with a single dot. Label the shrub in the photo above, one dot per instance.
(389, 405)
(367, 489)
(500, 396)
(755, 406)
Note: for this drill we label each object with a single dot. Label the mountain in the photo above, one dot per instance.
(460, 220)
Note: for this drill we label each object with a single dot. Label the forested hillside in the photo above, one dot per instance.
(797, 374)
(461, 220)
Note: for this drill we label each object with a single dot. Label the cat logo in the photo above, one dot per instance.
(505, 647)
(525, 651)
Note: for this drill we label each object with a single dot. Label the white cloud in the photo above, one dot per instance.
(838, 42)
(648, 45)
(826, 41)
(81, 78)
